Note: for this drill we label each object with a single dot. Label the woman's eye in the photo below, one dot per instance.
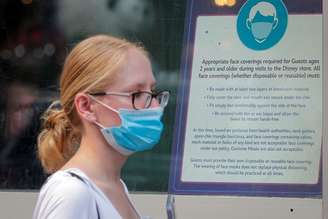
(137, 95)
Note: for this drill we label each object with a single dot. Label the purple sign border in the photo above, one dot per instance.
(176, 186)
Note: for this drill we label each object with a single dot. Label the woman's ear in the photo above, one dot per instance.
(84, 107)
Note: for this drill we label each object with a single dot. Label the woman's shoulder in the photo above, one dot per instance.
(65, 183)
(65, 195)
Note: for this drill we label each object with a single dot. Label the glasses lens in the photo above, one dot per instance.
(163, 98)
(142, 100)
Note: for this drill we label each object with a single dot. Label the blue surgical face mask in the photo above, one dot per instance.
(140, 130)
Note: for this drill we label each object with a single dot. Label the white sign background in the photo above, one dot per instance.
(254, 130)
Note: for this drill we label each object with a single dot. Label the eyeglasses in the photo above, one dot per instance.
(141, 99)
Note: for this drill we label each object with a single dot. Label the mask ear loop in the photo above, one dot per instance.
(99, 125)
(101, 103)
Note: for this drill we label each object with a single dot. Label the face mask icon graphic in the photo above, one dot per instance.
(261, 24)
(262, 21)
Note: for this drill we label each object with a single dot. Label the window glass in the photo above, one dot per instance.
(36, 36)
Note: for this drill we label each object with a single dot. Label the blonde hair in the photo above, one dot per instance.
(90, 66)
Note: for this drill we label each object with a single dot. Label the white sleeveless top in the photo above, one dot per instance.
(69, 194)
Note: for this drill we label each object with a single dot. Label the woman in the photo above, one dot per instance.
(108, 111)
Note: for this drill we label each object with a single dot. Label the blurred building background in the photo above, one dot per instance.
(35, 37)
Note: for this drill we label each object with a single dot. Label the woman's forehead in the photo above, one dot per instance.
(136, 71)
(136, 57)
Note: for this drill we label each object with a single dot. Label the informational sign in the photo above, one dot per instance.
(249, 114)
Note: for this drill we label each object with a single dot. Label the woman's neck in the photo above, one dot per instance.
(98, 160)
